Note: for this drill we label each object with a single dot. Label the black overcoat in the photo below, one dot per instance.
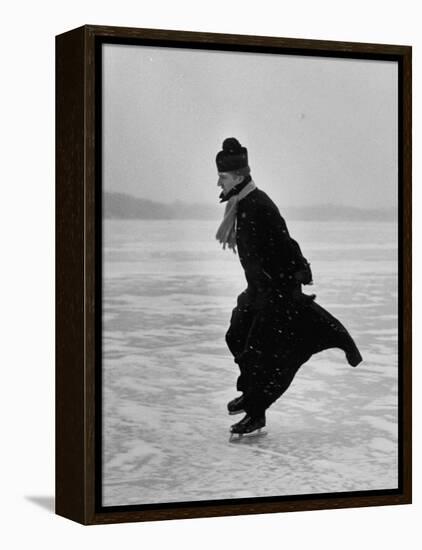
(274, 328)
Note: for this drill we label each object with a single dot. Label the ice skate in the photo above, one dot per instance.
(235, 406)
(248, 425)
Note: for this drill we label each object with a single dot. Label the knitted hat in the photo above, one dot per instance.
(232, 157)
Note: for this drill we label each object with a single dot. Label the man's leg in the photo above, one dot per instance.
(272, 381)
(267, 389)
(237, 335)
(273, 353)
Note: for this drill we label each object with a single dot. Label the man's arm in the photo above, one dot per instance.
(273, 257)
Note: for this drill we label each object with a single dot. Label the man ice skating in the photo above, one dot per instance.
(274, 328)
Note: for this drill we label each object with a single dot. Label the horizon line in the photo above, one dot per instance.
(315, 205)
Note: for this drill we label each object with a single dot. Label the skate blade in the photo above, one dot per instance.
(236, 412)
(238, 438)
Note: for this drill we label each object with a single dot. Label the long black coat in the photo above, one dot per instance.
(274, 328)
(269, 256)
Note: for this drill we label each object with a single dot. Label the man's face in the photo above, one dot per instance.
(227, 180)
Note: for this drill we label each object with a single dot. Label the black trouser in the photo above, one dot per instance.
(266, 350)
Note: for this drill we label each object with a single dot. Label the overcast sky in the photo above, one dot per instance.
(317, 130)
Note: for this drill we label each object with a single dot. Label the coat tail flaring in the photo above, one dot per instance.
(272, 343)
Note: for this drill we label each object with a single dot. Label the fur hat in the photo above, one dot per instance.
(232, 157)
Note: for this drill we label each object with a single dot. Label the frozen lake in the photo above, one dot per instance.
(167, 374)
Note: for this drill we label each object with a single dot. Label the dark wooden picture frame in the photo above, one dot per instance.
(78, 285)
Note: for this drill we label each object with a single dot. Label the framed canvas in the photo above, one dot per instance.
(176, 311)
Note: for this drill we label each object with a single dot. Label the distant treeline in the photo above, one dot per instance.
(127, 207)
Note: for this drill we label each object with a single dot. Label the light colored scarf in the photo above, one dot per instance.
(226, 233)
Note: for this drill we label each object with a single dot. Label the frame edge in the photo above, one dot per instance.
(406, 137)
(70, 370)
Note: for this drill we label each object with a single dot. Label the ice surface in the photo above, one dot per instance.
(167, 373)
